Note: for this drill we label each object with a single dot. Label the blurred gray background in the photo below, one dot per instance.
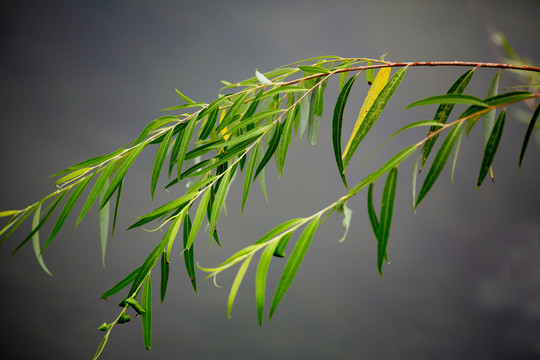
(81, 78)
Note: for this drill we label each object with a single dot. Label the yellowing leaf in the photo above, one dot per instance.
(224, 130)
(378, 84)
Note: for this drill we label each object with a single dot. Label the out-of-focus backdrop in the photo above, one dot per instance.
(82, 78)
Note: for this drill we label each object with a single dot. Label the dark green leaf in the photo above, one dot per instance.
(284, 240)
(135, 305)
(199, 216)
(121, 284)
(313, 69)
(103, 229)
(233, 110)
(439, 161)
(260, 278)
(491, 147)
(337, 125)
(35, 241)
(188, 254)
(186, 138)
(293, 263)
(164, 276)
(448, 99)
(272, 146)
(528, 134)
(489, 120)
(249, 174)
(209, 124)
(387, 207)
(158, 162)
(373, 219)
(147, 315)
(286, 136)
(219, 200)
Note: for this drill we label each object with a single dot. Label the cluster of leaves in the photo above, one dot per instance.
(209, 145)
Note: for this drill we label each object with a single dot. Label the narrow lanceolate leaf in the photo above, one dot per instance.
(443, 112)
(218, 201)
(313, 69)
(199, 216)
(304, 116)
(439, 161)
(286, 136)
(101, 182)
(118, 195)
(448, 99)
(249, 174)
(89, 163)
(153, 125)
(454, 158)
(233, 110)
(282, 245)
(72, 176)
(489, 120)
(236, 284)
(121, 284)
(209, 124)
(147, 314)
(184, 97)
(315, 113)
(158, 161)
(293, 264)
(387, 208)
(528, 133)
(373, 219)
(337, 125)
(263, 79)
(370, 74)
(414, 180)
(186, 138)
(491, 147)
(188, 254)
(35, 241)
(66, 210)
(164, 276)
(260, 278)
(272, 146)
(367, 119)
(103, 229)
(120, 173)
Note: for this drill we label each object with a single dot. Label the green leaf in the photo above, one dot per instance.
(209, 124)
(315, 113)
(528, 135)
(66, 210)
(373, 219)
(147, 314)
(443, 112)
(489, 120)
(188, 254)
(245, 122)
(370, 74)
(260, 278)
(185, 106)
(161, 153)
(186, 138)
(73, 175)
(35, 241)
(491, 147)
(103, 229)
(233, 110)
(199, 216)
(454, 158)
(448, 99)
(218, 201)
(272, 146)
(118, 194)
(135, 305)
(284, 240)
(337, 125)
(293, 263)
(313, 69)
(249, 174)
(120, 173)
(164, 276)
(153, 125)
(98, 160)
(236, 284)
(286, 136)
(121, 284)
(387, 207)
(184, 97)
(414, 179)
(96, 190)
(373, 114)
(282, 90)
(304, 116)
(439, 161)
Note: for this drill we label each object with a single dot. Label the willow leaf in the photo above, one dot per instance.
(153, 125)
(315, 113)
(373, 219)
(121, 284)
(337, 125)
(370, 74)
(284, 240)
(245, 122)
(159, 160)
(448, 99)
(293, 263)
(117, 203)
(186, 138)
(236, 284)
(270, 74)
(491, 147)
(249, 174)
(272, 146)
(209, 124)
(262, 79)
(189, 253)
(73, 175)
(260, 278)
(90, 162)
(184, 97)
(439, 161)
(96, 190)
(304, 116)
(414, 180)
(185, 106)
(286, 137)
(367, 117)
(528, 133)
(147, 314)
(443, 112)
(282, 90)
(218, 201)
(164, 279)
(489, 120)
(314, 69)
(199, 216)
(454, 158)
(103, 214)
(233, 110)
(120, 173)
(35, 241)
(387, 208)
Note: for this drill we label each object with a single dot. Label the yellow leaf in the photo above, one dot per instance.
(378, 84)
(224, 130)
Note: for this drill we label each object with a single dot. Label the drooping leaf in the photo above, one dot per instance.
(282, 245)
(147, 314)
(439, 161)
(304, 116)
(236, 284)
(233, 110)
(373, 219)
(199, 216)
(121, 284)
(454, 158)
(218, 201)
(491, 147)
(286, 136)
(443, 112)
(189, 254)
(489, 120)
(260, 278)
(414, 180)
(103, 228)
(209, 124)
(164, 276)
(293, 263)
(158, 162)
(528, 133)
(118, 195)
(315, 113)
(272, 146)
(186, 138)
(337, 125)
(153, 125)
(370, 74)
(184, 97)
(35, 241)
(387, 208)
(454, 98)
(368, 116)
(73, 175)
(249, 174)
